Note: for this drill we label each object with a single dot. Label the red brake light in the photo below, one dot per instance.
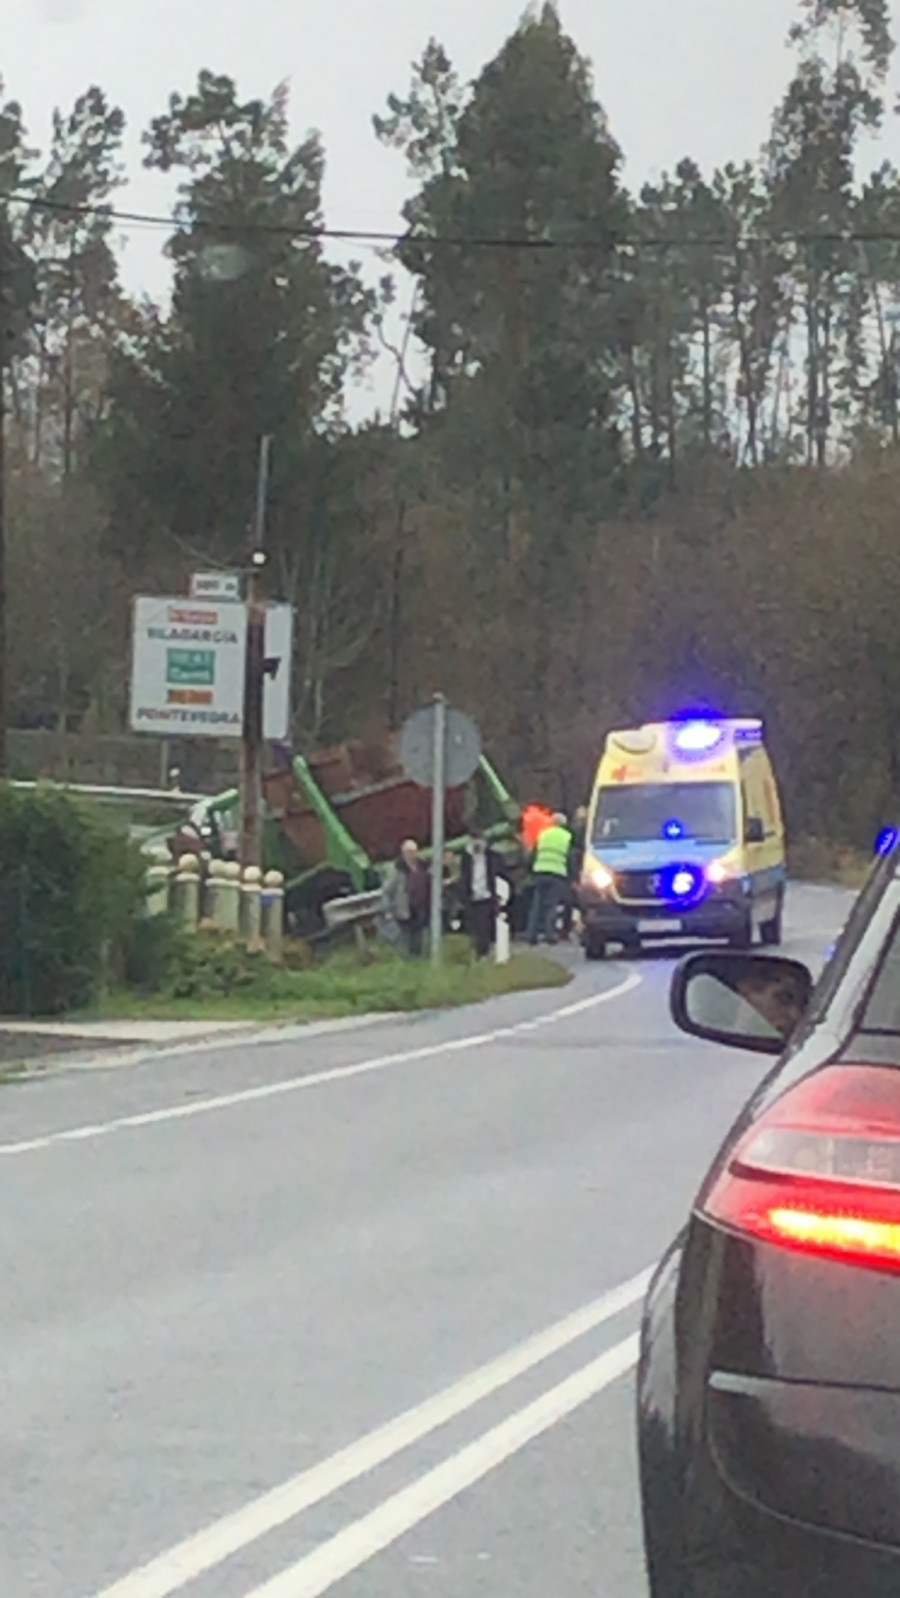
(820, 1170)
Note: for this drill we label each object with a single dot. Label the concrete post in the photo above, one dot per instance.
(272, 915)
(187, 891)
(212, 898)
(251, 893)
(228, 894)
(501, 925)
(159, 881)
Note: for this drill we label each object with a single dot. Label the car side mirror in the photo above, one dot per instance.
(754, 832)
(746, 1001)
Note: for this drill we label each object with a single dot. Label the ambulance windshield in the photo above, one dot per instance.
(702, 812)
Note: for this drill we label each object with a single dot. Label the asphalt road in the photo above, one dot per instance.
(352, 1311)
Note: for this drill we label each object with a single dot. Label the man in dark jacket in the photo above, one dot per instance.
(407, 897)
(481, 868)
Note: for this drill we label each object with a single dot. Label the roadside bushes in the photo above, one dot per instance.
(821, 860)
(166, 959)
(72, 890)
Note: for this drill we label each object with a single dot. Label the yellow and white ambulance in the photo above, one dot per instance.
(685, 837)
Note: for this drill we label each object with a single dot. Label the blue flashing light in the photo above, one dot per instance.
(698, 737)
(886, 840)
(683, 885)
(673, 829)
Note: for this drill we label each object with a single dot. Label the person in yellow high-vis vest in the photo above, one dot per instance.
(552, 874)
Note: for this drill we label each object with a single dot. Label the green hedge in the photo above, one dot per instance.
(71, 893)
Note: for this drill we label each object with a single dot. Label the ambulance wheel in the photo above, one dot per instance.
(771, 932)
(594, 947)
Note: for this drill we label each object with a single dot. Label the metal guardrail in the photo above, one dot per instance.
(156, 795)
(352, 910)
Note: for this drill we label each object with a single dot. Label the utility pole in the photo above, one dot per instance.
(254, 677)
(4, 343)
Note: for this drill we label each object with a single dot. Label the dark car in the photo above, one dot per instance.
(769, 1382)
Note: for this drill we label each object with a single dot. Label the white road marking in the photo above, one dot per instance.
(171, 1571)
(296, 1084)
(318, 1571)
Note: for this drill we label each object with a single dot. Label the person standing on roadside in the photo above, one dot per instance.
(407, 897)
(481, 869)
(579, 843)
(552, 871)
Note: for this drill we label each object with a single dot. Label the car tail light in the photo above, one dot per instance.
(820, 1170)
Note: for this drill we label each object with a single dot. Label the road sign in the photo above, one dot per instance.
(462, 746)
(439, 748)
(279, 658)
(187, 675)
(216, 585)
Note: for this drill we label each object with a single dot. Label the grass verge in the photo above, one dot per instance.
(343, 985)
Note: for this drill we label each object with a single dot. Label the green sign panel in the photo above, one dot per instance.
(191, 668)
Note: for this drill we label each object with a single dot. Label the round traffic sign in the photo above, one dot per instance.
(462, 746)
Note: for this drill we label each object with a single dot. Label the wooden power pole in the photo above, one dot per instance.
(254, 678)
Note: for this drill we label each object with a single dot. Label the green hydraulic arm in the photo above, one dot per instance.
(343, 850)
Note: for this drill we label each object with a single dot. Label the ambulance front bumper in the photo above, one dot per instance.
(721, 913)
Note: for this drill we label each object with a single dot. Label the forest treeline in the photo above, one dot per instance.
(643, 450)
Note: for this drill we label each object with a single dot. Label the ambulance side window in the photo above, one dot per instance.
(750, 792)
(746, 801)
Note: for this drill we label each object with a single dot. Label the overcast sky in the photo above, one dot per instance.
(677, 77)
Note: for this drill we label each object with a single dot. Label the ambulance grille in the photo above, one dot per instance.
(638, 887)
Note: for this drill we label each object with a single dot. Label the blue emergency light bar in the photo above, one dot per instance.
(698, 737)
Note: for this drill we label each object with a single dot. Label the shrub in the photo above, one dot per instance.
(71, 892)
(821, 860)
(211, 965)
(155, 951)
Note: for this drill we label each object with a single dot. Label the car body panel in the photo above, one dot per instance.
(769, 1379)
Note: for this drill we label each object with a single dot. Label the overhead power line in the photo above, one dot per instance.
(385, 237)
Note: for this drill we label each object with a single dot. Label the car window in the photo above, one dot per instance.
(882, 1011)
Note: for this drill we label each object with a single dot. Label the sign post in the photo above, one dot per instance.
(438, 801)
(439, 749)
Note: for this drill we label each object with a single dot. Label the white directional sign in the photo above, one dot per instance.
(188, 660)
(215, 585)
(279, 655)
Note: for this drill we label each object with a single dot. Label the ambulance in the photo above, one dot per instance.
(684, 839)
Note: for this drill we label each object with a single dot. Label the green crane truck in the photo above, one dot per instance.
(333, 823)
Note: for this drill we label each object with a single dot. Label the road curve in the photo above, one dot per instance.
(351, 1311)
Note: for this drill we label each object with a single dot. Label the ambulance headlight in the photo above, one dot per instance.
(720, 871)
(601, 878)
